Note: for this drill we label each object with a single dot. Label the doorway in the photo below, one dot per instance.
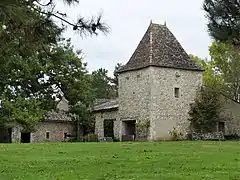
(25, 137)
(5, 134)
(129, 130)
(9, 135)
(109, 128)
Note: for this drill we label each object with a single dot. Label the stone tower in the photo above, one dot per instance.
(157, 84)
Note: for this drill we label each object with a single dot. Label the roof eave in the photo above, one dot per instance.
(135, 69)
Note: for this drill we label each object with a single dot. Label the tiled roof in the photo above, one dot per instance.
(159, 47)
(106, 105)
(58, 116)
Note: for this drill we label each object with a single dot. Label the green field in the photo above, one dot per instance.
(140, 161)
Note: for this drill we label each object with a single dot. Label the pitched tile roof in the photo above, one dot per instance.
(58, 116)
(106, 105)
(159, 47)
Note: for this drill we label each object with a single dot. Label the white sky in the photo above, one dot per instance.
(129, 20)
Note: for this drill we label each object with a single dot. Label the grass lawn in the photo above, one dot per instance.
(140, 161)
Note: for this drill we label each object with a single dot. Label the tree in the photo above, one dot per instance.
(226, 60)
(26, 112)
(223, 20)
(101, 82)
(210, 77)
(27, 25)
(40, 79)
(47, 8)
(37, 64)
(114, 80)
(205, 110)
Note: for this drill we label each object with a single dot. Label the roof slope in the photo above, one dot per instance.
(107, 105)
(159, 47)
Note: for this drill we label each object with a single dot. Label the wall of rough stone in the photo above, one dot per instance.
(134, 95)
(16, 133)
(167, 111)
(63, 105)
(107, 115)
(56, 132)
(231, 114)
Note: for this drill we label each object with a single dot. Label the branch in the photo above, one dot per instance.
(81, 25)
(50, 2)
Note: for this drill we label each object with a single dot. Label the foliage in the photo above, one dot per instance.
(223, 20)
(38, 65)
(176, 135)
(142, 127)
(26, 112)
(114, 80)
(101, 83)
(90, 138)
(178, 160)
(226, 60)
(21, 8)
(210, 77)
(205, 110)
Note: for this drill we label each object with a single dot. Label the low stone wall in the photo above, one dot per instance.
(205, 136)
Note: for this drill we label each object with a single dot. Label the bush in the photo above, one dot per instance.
(176, 135)
(87, 138)
(90, 138)
(232, 137)
(205, 110)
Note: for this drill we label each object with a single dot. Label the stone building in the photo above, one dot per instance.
(57, 127)
(156, 87)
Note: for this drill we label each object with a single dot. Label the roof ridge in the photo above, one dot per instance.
(151, 49)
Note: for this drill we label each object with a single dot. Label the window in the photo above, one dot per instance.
(127, 78)
(138, 76)
(221, 127)
(65, 135)
(47, 135)
(176, 92)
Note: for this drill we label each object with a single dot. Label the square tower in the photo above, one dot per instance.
(158, 84)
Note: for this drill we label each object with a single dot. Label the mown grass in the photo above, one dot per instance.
(103, 161)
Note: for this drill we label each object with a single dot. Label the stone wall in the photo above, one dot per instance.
(16, 133)
(167, 111)
(134, 95)
(107, 115)
(231, 114)
(56, 132)
(148, 94)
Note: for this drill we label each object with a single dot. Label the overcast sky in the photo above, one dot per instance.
(129, 20)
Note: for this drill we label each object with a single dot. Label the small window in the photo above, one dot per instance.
(47, 135)
(176, 92)
(127, 78)
(65, 135)
(221, 127)
(138, 76)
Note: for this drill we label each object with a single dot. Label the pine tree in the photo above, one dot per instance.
(223, 20)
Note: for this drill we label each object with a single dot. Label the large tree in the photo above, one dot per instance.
(223, 20)
(114, 80)
(226, 60)
(37, 64)
(210, 77)
(101, 83)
